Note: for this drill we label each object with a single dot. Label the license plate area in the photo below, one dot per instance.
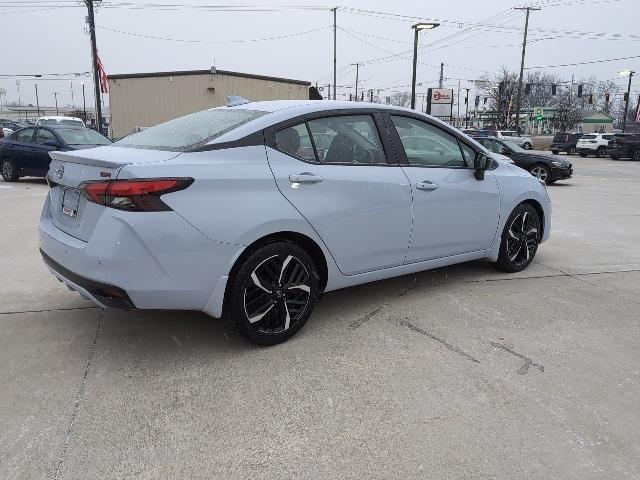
(70, 202)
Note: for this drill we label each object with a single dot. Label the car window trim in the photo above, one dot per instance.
(35, 138)
(404, 161)
(33, 133)
(270, 134)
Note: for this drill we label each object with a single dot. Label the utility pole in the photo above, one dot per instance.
(72, 102)
(37, 101)
(357, 71)
(335, 28)
(84, 105)
(458, 102)
(626, 104)
(524, 48)
(18, 85)
(94, 58)
(55, 95)
(441, 80)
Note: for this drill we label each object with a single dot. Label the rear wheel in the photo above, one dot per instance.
(9, 170)
(636, 155)
(520, 239)
(273, 293)
(601, 152)
(526, 146)
(541, 172)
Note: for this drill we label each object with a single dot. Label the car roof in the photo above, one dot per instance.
(58, 117)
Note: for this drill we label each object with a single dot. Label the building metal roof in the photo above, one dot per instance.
(207, 72)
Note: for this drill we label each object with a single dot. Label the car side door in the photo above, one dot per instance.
(20, 149)
(45, 142)
(344, 178)
(453, 212)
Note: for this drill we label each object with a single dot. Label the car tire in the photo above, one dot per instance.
(9, 170)
(555, 152)
(636, 156)
(526, 146)
(541, 172)
(571, 151)
(582, 154)
(601, 152)
(520, 239)
(273, 293)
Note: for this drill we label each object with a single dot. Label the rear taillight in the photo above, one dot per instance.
(137, 195)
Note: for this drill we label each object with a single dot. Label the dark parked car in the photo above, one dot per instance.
(625, 146)
(546, 168)
(26, 151)
(564, 142)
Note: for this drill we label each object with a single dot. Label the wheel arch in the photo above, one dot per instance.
(307, 243)
(539, 210)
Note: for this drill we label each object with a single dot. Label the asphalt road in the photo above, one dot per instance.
(460, 372)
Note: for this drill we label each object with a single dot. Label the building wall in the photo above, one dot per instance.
(146, 101)
(596, 127)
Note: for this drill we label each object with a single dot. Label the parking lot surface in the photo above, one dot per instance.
(461, 372)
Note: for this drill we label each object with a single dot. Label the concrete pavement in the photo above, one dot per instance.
(461, 372)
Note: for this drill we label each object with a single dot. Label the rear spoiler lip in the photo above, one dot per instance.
(79, 159)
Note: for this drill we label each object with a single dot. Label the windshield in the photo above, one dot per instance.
(514, 146)
(190, 131)
(82, 136)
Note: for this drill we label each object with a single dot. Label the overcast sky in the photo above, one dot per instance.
(54, 40)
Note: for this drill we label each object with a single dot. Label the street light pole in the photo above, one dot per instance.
(417, 27)
(626, 104)
(357, 71)
(335, 9)
(37, 101)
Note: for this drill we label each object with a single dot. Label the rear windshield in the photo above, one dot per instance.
(190, 131)
(82, 136)
(588, 137)
(71, 123)
(559, 137)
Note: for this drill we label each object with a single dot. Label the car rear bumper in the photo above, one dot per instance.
(153, 260)
(562, 147)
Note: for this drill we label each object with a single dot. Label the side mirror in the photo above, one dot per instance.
(480, 164)
(51, 143)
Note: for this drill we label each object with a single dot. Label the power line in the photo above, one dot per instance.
(585, 63)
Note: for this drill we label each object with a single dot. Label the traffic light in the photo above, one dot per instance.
(362, 97)
(553, 89)
(527, 89)
(501, 88)
(591, 99)
(485, 100)
(351, 97)
(606, 97)
(626, 97)
(579, 91)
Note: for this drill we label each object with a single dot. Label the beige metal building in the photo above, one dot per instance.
(146, 99)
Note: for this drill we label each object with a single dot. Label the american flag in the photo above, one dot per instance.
(104, 82)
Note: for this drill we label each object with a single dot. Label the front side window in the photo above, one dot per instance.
(428, 146)
(347, 139)
(43, 136)
(24, 135)
(190, 131)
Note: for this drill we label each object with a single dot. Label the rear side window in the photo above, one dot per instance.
(190, 131)
(560, 137)
(43, 135)
(607, 137)
(428, 146)
(24, 135)
(344, 139)
(588, 137)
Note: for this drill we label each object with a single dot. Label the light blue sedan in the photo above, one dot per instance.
(249, 211)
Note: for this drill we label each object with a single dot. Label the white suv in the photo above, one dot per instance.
(515, 137)
(594, 144)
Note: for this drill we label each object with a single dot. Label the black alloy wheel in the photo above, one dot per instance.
(601, 152)
(636, 155)
(9, 170)
(274, 293)
(520, 239)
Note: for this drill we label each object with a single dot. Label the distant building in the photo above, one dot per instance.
(595, 121)
(142, 100)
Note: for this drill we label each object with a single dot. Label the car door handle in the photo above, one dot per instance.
(305, 177)
(427, 185)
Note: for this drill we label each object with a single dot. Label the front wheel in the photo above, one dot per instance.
(526, 146)
(273, 293)
(520, 239)
(9, 170)
(636, 156)
(541, 172)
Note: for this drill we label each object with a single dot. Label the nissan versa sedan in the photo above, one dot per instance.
(250, 211)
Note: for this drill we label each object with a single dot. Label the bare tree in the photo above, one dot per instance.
(502, 91)
(401, 99)
(541, 89)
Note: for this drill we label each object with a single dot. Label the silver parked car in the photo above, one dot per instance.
(250, 211)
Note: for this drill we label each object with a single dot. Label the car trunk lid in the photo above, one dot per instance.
(70, 211)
